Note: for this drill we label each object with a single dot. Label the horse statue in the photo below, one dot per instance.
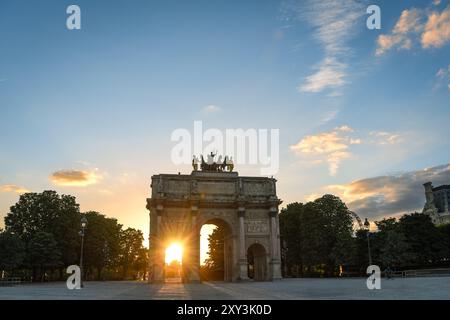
(211, 166)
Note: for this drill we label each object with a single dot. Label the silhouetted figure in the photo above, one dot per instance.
(388, 272)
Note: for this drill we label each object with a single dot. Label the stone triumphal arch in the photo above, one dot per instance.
(245, 207)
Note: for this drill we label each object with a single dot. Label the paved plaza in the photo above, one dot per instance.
(355, 288)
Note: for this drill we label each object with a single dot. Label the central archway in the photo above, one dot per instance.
(173, 263)
(219, 245)
(257, 262)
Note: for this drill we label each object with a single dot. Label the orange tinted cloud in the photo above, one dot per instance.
(331, 146)
(431, 28)
(389, 195)
(437, 29)
(408, 22)
(13, 188)
(77, 178)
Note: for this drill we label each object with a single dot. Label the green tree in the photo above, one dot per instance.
(378, 240)
(292, 238)
(140, 265)
(39, 212)
(361, 252)
(101, 243)
(43, 254)
(444, 230)
(390, 247)
(395, 250)
(424, 239)
(130, 249)
(317, 235)
(12, 252)
(50, 213)
(215, 265)
(338, 228)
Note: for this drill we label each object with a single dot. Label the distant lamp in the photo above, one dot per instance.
(367, 227)
(84, 222)
(366, 224)
(83, 227)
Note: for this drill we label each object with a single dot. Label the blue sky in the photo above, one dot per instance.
(361, 112)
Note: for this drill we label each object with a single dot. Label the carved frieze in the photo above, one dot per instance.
(257, 226)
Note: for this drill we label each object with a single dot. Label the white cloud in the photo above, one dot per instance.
(211, 108)
(385, 138)
(330, 74)
(331, 115)
(443, 76)
(344, 128)
(333, 23)
(441, 73)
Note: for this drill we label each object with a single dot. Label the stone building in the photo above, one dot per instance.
(437, 203)
(246, 207)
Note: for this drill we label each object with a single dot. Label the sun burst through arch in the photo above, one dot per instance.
(174, 252)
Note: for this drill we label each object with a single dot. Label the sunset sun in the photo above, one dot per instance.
(174, 252)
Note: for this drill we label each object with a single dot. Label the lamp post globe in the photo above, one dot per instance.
(83, 227)
(367, 228)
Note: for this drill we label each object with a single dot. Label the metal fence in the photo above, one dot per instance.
(10, 281)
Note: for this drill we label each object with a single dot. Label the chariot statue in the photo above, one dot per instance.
(195, 163)
(210, 165)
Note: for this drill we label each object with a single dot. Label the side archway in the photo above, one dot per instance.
(257, 262)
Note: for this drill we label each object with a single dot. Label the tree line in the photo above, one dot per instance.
(41, 239)
(319, 238)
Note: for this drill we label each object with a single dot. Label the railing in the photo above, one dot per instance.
(10, 281)
(437, 272)
(442, 272)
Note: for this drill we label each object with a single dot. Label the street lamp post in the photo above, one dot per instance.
(367, 227)
(83, 227)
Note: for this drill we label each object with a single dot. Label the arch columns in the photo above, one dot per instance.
(275, 261)
(158, 253)
(242, 263)
(192, 249)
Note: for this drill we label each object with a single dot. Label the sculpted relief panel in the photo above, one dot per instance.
(257, 226)
(209, 187)
(256, 214)
(174, 186)
(258, 188)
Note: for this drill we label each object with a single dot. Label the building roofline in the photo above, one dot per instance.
(442, 187)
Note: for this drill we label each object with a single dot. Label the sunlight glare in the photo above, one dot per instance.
(174, 252)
